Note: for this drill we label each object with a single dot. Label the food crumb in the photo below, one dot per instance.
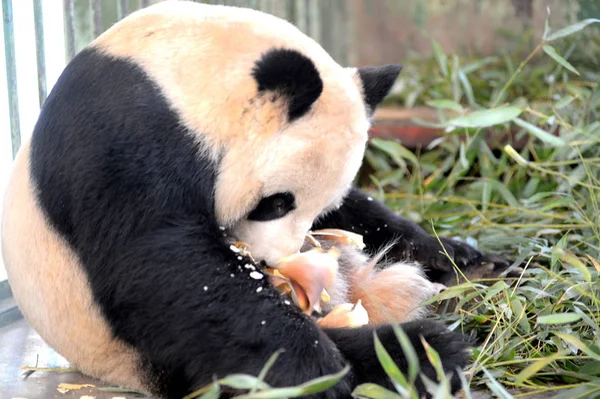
(232, 275)
(287, 302)
(263, 322)
(221, 228)
(369, 199)
(249, 266)
(259, 289)
(234, 248)
(256, 275)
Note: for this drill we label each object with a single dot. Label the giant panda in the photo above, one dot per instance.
(179, 122)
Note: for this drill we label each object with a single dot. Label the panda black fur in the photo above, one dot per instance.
(179, 120)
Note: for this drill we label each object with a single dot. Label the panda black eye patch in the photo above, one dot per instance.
(273, 207)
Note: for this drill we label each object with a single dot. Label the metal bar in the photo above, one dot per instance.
(97, 12)
(5, 291)
(300, 16)
(11, 75)
(314, 26)
(40, 53)
(122, 8)
(9, 313)
(144, 3)
(69, 28)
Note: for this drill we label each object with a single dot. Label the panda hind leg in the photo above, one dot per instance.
(358, 347)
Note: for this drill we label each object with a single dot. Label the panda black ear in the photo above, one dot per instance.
(291, 74)
(377, 82)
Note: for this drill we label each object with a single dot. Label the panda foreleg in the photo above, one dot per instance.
(193, 310)
(380, 226)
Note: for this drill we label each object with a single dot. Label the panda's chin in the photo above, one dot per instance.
(271, 241)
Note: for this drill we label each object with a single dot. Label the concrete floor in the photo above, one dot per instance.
(21, 346)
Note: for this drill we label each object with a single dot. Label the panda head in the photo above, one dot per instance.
(284, 123)
(307, 166)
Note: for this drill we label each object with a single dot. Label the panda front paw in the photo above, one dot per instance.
(440, 261)
(452, 348)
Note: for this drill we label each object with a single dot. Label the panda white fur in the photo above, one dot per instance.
(179, 120)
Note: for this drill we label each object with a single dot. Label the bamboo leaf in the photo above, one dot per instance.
(434, 358)
(571, 29)
(409, 352)
(584, 391)
(546, 26)
(551, 51)
(486, 118)
(467, 69)
(591, 368)
(572, 260)
(564, 102)
(268, 365)
(533, 368)
(311, 387)
(242, 381)
(467, 87)
(440, 56)
(373, 391)
(576, 342)
(496, 388)
(558, 318)
(395, 150)
(390, 368)
(213, 393)
(445, 104)
(539, 133)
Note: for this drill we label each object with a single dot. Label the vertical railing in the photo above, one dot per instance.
(122, 9)
(323, 20)
(40, 49)
(84, 20)
(69, 11)
(97, 15)
(11, 74)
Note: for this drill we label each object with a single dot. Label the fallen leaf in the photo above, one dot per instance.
(595, 263)
(64, 388)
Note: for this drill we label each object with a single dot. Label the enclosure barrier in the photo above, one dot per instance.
(84, 20)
